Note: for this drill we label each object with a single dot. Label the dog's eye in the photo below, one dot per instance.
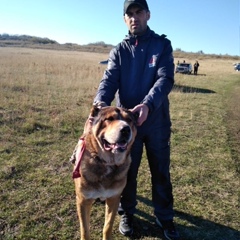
(110, 119)
(128, 120)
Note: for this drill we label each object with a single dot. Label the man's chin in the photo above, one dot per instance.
(135, 32)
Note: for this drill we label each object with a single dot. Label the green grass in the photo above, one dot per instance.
(45, 98)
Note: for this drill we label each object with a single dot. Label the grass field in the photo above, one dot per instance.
(45, 97)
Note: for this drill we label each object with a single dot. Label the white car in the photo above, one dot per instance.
(184, 68)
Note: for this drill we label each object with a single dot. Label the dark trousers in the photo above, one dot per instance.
(157, 143)
(195, 70)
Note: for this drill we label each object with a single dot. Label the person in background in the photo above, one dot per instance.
(195, 67)
(140, 73)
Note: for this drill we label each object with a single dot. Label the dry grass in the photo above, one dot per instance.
(45, 98)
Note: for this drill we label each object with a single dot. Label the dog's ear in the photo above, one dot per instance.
(136, 116)
(97, 106)
(94, 111)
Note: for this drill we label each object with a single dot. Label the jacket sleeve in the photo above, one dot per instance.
(164, 79)
(110, 80)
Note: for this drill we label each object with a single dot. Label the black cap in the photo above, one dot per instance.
(141, 3)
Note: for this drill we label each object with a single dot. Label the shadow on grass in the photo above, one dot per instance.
(199, 74)
(194, 228)
(187, 89)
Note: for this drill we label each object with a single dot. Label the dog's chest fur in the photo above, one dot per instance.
(101, 180)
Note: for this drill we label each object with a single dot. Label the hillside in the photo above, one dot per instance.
(26, 41)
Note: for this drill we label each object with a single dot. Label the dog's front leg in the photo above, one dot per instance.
(110, 213)
(84, 218)
(84, 209)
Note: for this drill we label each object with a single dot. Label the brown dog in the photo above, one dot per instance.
(102, 163)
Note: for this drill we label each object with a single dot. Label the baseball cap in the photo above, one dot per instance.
(141, 3)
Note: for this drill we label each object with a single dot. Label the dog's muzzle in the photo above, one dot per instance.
(121, 140)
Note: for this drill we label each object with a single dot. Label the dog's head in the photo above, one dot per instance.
(114, 129)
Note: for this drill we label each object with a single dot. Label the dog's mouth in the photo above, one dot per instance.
(119, 146)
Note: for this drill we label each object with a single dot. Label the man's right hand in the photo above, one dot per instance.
(100, 104)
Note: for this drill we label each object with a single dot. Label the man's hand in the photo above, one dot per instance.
(99, 104)
(142, 110)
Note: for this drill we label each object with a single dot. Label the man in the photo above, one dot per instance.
(141, 73)
(196, 65)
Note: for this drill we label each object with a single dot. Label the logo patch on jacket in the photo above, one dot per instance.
(153, 61)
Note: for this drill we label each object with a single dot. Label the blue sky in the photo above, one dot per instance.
(212, 26)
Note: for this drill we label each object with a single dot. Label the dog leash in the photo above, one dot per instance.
(79, 154)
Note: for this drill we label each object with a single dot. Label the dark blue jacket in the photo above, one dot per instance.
(140, 70)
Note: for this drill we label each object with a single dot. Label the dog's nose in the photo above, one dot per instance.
(125, 131)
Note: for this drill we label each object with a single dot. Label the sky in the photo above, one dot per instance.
(211, 26)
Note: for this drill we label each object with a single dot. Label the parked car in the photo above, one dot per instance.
(184, 68)
(237, 67)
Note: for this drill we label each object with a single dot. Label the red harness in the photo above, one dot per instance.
(79, 154)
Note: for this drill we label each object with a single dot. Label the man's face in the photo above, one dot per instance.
(136, 20)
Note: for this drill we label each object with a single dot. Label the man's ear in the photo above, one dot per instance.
(148, 15)
(124, 18)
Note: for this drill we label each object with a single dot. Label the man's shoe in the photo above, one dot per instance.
(126, 226)
(169, 230)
